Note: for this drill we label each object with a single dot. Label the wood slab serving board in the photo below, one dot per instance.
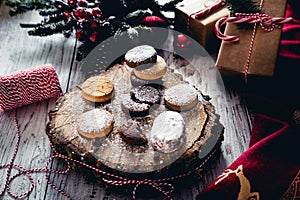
(111, 152)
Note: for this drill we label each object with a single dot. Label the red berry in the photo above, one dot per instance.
(72, 3)
(96, 12)
(67, 15)
(181, 38)
(93, 37)
(80, 13)
(88, 14)
(82, 3)
(94, 24)
(79, 34)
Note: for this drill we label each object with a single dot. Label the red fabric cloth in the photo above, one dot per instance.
(290, 40)
(270, 164)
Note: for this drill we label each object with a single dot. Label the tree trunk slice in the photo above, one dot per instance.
(112, 153)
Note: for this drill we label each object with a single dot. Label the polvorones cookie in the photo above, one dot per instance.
(97, 89)
(135, 81)
(181, 97)
(167, 133)
(135, 109)
(95, 123)
(145, 94)
(152, 71)
(140, 55)
(132, 134)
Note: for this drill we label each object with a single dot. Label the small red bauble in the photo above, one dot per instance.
(154, 21)
(181, 38)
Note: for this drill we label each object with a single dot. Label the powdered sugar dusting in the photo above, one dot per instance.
(141, 54)
(167, 133)
(95, 121)
(181, 95)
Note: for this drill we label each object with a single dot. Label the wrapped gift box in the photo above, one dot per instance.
(202, 29)
(232, 56)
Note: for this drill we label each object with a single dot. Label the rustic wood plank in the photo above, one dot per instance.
(19, 51)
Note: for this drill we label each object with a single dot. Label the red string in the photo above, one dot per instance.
(162, 185)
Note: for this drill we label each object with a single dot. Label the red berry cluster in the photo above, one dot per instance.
(87, 19)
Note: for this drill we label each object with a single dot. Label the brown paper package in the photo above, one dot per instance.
(232, 56)
(202, 30)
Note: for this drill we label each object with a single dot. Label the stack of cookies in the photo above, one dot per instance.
(148, 67)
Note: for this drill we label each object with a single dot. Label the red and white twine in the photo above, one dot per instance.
(201, 13)
(266, 23)
(28, 86)
(162, 185)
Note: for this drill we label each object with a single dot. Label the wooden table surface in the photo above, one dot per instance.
(20, 51)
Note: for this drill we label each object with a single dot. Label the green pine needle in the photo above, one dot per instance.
(50, 29)
(243, 6)
(21, 6)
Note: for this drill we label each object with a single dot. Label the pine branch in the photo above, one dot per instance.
(93, 20)
(245, 6)
(49, 29)
(54, 18)
(134, 18)
(46, 12)
(170, 6)
(21, 6)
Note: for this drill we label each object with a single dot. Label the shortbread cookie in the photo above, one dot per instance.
(95, 123)
(145, 94)
(97, 89)
(140, 55)
(135, 109)
(152, 71)
(167, 133)
(135, 81)
(132, 134)
(181, 97)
